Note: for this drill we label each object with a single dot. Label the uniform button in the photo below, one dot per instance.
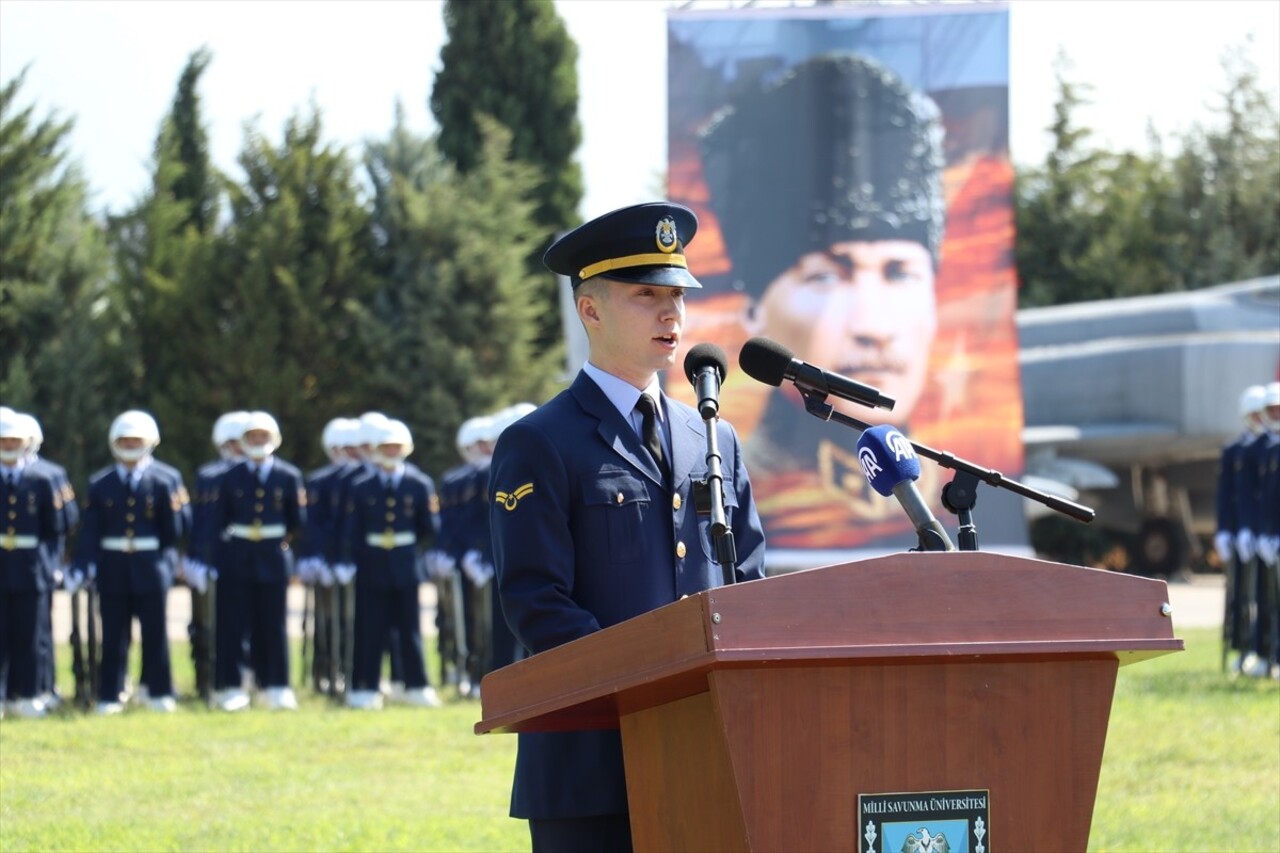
(619, 498)
(260, 493)
(129, 502)
(680, 550)
(12, 514)
(128, 531)
(13, 499)
(257, 507)
(129, 517)
(391, 501)
(391, 516)
(675, 501)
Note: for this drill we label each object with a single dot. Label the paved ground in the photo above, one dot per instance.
(1197, 602)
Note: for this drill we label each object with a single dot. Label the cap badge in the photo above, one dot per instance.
(666, 237)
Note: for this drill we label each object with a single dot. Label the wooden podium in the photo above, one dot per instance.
(766, 715)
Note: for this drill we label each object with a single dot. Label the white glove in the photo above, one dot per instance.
(438, 564)
(1269, 549)
(1245, 546)
(307, 570)
(1222, 543)
(197, 575)
(72, 580)
(476, 570)
(344, 572)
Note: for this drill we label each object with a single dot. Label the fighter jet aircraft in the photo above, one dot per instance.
(1128, 403)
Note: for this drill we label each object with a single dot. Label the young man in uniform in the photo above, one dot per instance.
(592, 507)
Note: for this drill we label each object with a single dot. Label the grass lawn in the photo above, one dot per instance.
(1192, 764)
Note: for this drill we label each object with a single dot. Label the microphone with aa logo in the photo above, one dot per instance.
(891, 467)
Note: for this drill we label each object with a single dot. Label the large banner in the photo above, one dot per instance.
(850, 170)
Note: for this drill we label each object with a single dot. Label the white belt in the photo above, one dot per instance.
(257, 532)
(390, 540)
(129, 544)
(11, 542)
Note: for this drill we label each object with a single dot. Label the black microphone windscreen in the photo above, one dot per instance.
(765, 360)
(705, 355)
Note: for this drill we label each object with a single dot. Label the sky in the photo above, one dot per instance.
(113, 66)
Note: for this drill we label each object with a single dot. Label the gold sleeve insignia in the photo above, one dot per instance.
(510, 499)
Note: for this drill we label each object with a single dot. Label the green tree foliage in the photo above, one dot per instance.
(297, 267)
(1097, 224)
(54, 266)
(514, 61)
(166, 251)
(451, 331)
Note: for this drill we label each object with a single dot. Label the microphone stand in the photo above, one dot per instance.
(721, 534)
(961, 494)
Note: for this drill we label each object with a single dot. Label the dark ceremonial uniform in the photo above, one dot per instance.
(1228, 521)
(592, 526)
(183, 523)
(491, 643)
(129, 531)
(31, 520)
(66, 496)
(1250, 468)
(323, 520)
(457, 493)
(586, 534)
(389, 519)
(261, 508)
(204, 545)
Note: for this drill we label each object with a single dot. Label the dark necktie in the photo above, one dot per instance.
(649, 432)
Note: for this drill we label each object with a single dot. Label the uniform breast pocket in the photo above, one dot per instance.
(704, 517)
(617, 504)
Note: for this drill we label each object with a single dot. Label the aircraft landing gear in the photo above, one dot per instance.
(1160, 548)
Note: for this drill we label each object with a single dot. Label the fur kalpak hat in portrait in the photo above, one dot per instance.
(838, 148)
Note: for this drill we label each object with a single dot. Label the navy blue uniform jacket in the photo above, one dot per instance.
(586, 535)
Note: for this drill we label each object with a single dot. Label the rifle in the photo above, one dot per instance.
(347, 599)
(211, 635)
(1230, 571)
(79, 667)
(91, 623)
(308, 616)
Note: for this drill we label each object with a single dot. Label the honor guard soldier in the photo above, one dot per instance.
(390, 517)
(489, 638)
(46, 679)
(1250, 468)
(592, 506)
(1269, 535)
(204, 542)
(341, 441)
(261, 505)
(457, 493)
(30, 532)
(128, 534)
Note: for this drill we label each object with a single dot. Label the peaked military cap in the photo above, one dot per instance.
(641, 244)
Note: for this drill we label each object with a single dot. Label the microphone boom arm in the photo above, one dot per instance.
(817, 405)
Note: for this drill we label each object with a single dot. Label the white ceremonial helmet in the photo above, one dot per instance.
(1252, 401)
(1271, 407)
(13, 426)
(260, 421)
(37, 434)
(391, 432)
(133, 424)
(228, 428)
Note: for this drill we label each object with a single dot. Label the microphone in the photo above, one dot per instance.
(770, 362)
(705, 366)
(891, 466)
